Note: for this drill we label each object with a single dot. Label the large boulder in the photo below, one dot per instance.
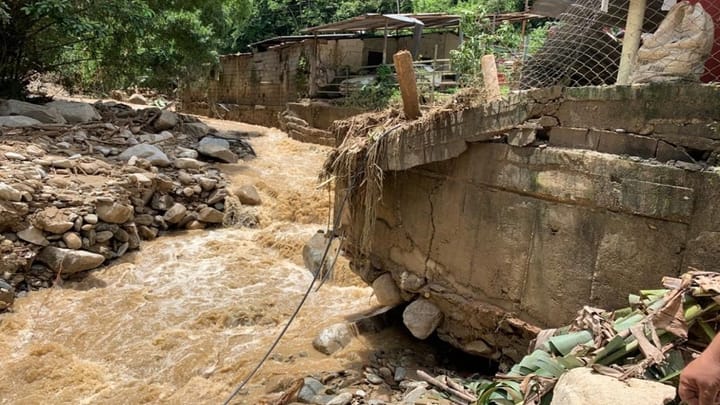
(333, 338)
(386, 291)
(75, 112)
(113, 212)
(218, 149)
(47, 115)
(18, 121)
(580, 386)
(151, 153)
(195, 129)
(313, 252)
(9, 193)
(53, 220)
(166, 120)
(69, 261)
(247, 194)
(422, 317)
(34, 236)
(12, 215)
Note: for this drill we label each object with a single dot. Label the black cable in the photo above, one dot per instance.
(307, 293)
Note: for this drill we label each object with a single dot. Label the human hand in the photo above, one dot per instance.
(700, 380)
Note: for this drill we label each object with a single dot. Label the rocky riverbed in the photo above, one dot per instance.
(82, 184)
(184, 317)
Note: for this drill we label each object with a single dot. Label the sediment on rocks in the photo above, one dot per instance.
(75, 195)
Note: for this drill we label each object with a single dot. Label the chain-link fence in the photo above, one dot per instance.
(584, 47)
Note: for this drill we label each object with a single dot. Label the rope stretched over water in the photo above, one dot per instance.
(305, 296)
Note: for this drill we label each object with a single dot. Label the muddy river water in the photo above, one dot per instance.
(184, 319)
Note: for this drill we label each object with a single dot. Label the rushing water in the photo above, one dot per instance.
(183, 320)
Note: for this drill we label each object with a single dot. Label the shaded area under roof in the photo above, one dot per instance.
(372, 22)
(288, 39)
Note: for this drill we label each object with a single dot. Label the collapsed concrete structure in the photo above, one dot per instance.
(512, 215)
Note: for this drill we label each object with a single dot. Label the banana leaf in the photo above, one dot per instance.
(564, 344)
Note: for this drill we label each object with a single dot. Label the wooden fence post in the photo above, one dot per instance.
(490, 77)
(631, 40)
(408, 84)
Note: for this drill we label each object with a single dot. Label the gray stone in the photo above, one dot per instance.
(175, 214)
(151, 153)
(53, 220)
(521, 136)
(137, 99)
(187, 163)
(386, 291)
(580, 386)
(422, 317)
(75, 112)
(333, 338)
(114, 213)
(18, 121)
(34, 236)
(311, 388)
(103, 236)
(207, 183)
(91, 219)
(195, 129)
(181, 152)
(14, 156)
(69, 261)
(72, 240)
(210, 215)
(412, 397)
(313, 252)
(342, 399)
(157, 138)
(47, 115)
(7, 295)
(9, 193)
(374, 378)
(218, 149)
(247, 195)
(166, 120)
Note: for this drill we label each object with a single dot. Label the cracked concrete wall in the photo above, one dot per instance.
(508, 239)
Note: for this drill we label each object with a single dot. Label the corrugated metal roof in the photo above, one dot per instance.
(288, 39)
(372, 22)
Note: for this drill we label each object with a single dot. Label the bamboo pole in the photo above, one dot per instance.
(408, 84)
(631, 40)
(490, 77)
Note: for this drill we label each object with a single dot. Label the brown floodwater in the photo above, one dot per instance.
(184, 319)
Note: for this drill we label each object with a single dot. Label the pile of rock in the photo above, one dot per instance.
(81, 184)
(390, 377)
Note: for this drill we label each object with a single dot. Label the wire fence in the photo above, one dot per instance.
(584, 47)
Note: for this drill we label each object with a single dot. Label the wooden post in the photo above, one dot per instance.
(490, 77)
(631, 40)
(408, 84)
(385, 45)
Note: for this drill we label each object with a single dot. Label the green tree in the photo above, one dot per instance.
(106, 43)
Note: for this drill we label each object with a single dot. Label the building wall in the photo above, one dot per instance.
(256, 87)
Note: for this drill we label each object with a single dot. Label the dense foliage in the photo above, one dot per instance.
(98, 45)
(101, 44)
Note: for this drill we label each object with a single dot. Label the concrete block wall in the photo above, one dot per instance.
(509, 239)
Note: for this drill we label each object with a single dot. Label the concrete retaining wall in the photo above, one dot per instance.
(499, 216)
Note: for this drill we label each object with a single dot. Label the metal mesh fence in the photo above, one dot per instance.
(585, 45)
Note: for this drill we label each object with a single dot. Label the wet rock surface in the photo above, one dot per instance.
(82, 184)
